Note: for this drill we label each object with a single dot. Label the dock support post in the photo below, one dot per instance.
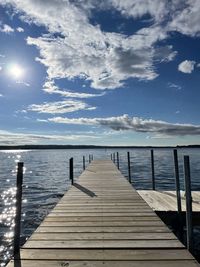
(83, 162)
(118, 160)
(89, 159)
(176, 168)
(152, 170)
(17, 227)
(188, 203)
(71, 170)
(114, 157)
(129, 167)
(111, 156)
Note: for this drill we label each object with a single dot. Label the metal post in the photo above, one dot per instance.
(71, 170)
(176, 169)
(188, 203)
(129, 167)
(152, 169)
(118, 160)
(83, 162)
(17, 227)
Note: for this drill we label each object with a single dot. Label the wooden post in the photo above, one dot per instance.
(188, 203)
(71, 170)
(152, 169)
(111, 156)
(83, 162)
(114, 157)
(118, 160)
(176, 169)
(129, 167)
(18, 205)
(89, 159)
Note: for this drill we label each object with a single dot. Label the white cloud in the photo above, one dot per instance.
(76, 48)
(173, 85)
(60, 107)
(123, 123)
(2, 55)
(186, 20)
(20, 29)
(51, 88)
(82, 50)
(6, 28)
(10, 138)
(1, 95)
(187, 66)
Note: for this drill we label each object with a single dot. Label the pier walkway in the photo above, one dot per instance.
(103, 221)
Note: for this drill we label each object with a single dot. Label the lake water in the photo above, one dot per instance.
(46, 178)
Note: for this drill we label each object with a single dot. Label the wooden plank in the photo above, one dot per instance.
(67, 263)
(166, 200)
(103, 235)
(104, 244)
(106, 254)
(102, 229)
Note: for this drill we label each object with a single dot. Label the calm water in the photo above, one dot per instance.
(46, 179)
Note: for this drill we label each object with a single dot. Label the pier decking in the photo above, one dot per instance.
(103, 221)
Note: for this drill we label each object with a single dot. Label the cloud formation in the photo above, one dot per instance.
(19, 29)
(51, 88)
(136, 124)
(9, 138)
(75, 47)
(60, 107)
(187, 66)
(6, 28)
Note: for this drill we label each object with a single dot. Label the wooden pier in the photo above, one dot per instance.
(103, 221)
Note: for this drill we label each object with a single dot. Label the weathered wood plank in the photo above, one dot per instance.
(66, 263)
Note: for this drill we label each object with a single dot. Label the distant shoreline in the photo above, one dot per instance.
(88, 147)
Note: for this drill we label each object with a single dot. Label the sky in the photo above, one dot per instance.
(114, 72)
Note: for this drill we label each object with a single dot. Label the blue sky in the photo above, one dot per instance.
(99, 72)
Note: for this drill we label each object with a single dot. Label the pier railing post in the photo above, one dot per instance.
(111, 156)
(71, 170)
(129, 167)
(89, 158)
(18, 205)
(114, 157)
(152, 170)
(83, 162)
(118, 160)
(176, 169)
(188, 203)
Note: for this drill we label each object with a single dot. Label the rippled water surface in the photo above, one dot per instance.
(46, 179)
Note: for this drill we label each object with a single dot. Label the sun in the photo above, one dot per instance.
(16, 71)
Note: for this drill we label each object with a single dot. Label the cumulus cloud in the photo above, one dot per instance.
(60, 107)
(136, 124)
(76, 48)
(51, 88)
(10, 138)
(187, 66)
(6, 28)
(20, 29)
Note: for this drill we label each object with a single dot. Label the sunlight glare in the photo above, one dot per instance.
(15, 71)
